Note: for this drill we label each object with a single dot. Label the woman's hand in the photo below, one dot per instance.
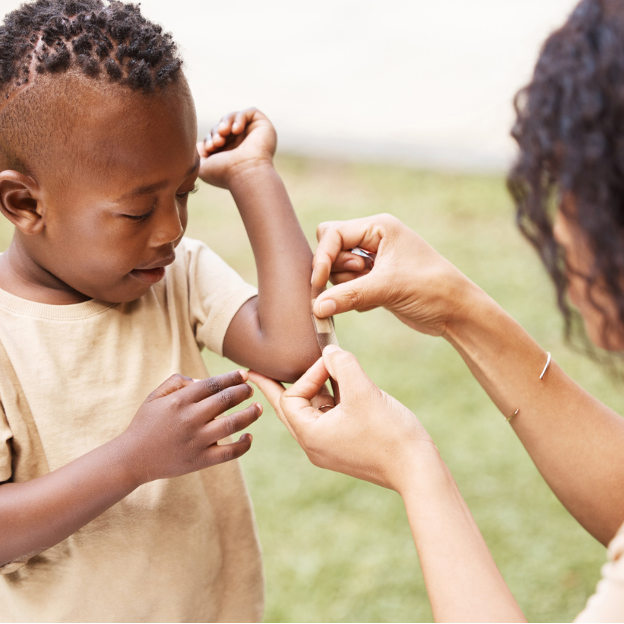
(368, 435)
(239, 143)
(409, 277)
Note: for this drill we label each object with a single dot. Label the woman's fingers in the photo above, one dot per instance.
(345, 369)
(340, 236)
(361, 293)
(273, 391)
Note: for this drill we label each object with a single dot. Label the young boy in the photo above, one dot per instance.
(107, 510)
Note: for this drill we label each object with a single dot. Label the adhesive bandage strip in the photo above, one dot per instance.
(324, 327)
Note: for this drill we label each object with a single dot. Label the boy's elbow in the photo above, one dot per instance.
(295, 359)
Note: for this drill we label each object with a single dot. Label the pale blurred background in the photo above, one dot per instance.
(405, 107)
(428, 83)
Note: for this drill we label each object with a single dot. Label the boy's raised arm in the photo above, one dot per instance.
(271, 333)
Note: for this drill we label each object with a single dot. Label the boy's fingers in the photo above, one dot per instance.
(221, 453)
(225, 125)
(215, 405)
(169, 386)
(229, 425)
(242, 120)
(204, 388)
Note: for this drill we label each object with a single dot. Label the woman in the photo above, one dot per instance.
(570, 130)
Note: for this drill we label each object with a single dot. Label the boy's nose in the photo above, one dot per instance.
(170, 227)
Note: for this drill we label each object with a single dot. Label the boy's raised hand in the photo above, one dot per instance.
(240, 142)
(176, 430)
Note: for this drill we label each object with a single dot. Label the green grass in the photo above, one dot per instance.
(336, 549)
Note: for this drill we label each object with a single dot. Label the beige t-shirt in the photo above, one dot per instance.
(607, 604)
(71, 379)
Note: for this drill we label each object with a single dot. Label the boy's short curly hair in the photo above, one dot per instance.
(570, 131)
(112, 41)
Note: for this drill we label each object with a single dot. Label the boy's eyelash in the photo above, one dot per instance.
(191, 192)
(141, 217)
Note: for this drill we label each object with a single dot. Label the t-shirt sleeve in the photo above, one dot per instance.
(216, 294)
(607, 604)
(6, 461)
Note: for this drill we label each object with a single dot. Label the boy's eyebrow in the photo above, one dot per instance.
(156, 186)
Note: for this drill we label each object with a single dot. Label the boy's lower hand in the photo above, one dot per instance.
(368, 435)
(175, 431)
(237, 145)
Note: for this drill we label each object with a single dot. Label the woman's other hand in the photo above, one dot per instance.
(368, 434)
(409, 277)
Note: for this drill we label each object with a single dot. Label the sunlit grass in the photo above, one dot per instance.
(336, 549)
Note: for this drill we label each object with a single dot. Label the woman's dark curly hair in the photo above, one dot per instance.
(108, 40)
(570, 130)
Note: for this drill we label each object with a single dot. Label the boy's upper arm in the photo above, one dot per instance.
(216, 294)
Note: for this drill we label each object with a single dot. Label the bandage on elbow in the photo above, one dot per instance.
(324, 327)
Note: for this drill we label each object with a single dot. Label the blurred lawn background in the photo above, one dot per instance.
(336, 549)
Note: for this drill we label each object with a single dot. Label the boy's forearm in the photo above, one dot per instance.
(38, 514)
(284, 337)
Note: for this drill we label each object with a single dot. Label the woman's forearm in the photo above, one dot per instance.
(284, 333)
(463, 582)
(574, 439)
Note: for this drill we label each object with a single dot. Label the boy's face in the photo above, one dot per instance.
(114, 202)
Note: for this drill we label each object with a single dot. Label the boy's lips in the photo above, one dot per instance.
(154, 272)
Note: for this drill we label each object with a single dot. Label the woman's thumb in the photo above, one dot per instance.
(357, 294)
(346, 370)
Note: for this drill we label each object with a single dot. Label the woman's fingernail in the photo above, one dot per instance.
(260, 408)
(327, 307)
(331, 349)
(352, 265)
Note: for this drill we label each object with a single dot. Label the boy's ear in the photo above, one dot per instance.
(20, 201)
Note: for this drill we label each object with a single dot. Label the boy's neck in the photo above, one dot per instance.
(21, 276)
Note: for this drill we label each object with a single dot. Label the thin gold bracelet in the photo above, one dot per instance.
(548, 361)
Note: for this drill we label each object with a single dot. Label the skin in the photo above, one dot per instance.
(556, 417)
(98, 215)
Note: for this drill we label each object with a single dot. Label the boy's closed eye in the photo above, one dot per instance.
(181, 196)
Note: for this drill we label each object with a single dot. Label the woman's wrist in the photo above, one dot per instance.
(420, 465)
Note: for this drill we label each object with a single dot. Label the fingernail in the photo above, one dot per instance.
(316, 272)
(327, 307)
(260, 408)
(330, 349)
(352, 265)
(245, 437)
(222, 125)
(244, 374)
